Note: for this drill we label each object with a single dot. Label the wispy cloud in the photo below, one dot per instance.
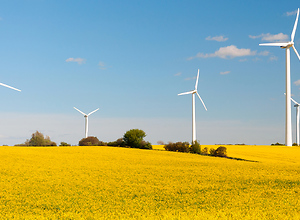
(217, 38)
(77, 60)
(178, 74)
(271, 37)
(224, 73)
(102, 65)
(290, 13)
(190, 78)
(264, 53)
(226, 52)
(297, 83)
(273, 58)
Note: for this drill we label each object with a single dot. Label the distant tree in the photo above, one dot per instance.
(90, 141)
(64, 144)
(38, 139)
(135, 138)
(161, 142)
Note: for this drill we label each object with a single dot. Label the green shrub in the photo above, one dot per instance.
(64, 144)
(221, 152)
(195, 148)
(89, 141)
(135, 138)
(178, 146)
(204, 151)
(118, 143)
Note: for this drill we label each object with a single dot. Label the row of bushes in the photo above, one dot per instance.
(196, 149)
(133, 138)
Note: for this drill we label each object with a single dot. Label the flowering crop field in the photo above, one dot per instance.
(122, 183)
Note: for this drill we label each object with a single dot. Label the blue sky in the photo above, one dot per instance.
(132, 58)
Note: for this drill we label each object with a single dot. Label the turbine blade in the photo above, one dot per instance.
(93, 112)
(296, 52)
(201, 101)
(185, 93)
(275, 44)
(80, 111)
(294, 101)
(295, 27)
(2, 84)
(196, 85)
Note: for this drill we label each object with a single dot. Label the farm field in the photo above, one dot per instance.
(122, 183)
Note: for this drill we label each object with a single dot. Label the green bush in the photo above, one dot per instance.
(89, 141)
(204, 151)
(64, 144)
(219, 152)
(178, 146)
(195, 148)
(118, 143)
(134, 138)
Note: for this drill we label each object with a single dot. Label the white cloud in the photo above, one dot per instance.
(272, 58)
(271, 37)
(297, 83)
(224, 73)
(178, 74)
(243, 60)
(77, 60)
(291, 13)
(227, 52)
(217, 38)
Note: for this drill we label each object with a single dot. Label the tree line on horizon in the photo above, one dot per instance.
(133, 138)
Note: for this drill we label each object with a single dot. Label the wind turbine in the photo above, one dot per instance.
(287, 46)
(297, 120)
(86, 120)
(193, 92)
(2, 84)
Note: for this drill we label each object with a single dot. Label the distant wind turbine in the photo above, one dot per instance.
(287, 46)
(86, 120)
(193, 92)
(2, 84)
(297, 120)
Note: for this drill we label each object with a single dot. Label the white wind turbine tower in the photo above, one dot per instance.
(193, 92)
(86, 120)
(297, 120)
(287, 46)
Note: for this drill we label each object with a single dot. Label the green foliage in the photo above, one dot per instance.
(219, 152)
(118, 143)
(195, 148)
(277, 144)
(204, 151)
(178, 146)
(64, 144)
(38, 139)
(89, 141)
(135, 138)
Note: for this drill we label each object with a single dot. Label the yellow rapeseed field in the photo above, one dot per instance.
(122, 183)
